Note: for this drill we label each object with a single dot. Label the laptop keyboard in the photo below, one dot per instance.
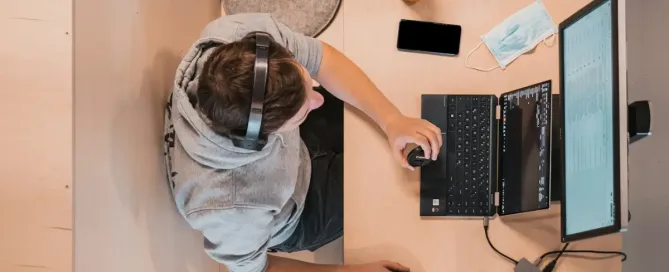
(468, 155)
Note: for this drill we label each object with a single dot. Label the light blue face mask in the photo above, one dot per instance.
(517, 35)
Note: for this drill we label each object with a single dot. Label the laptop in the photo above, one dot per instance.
(495, 159)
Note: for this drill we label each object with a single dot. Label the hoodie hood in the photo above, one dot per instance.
(199, 141)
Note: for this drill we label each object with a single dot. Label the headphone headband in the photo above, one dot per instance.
(252, 139)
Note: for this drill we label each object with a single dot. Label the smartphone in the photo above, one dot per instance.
(429, 37)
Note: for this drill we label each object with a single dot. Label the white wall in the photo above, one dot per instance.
(36, 135)
(126, 54)
(648, 37)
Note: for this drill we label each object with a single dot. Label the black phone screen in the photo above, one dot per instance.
(429, 37)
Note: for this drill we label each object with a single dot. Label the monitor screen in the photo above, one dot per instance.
(524, 172)
(589, 128)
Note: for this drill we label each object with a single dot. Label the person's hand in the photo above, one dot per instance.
(403, 130)
(381, 266)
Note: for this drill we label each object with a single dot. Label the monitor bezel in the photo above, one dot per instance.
(616, 227)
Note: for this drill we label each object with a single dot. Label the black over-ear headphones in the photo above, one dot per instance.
(252, 140)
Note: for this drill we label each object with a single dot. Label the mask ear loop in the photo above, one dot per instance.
(476, 68)
(552, 37)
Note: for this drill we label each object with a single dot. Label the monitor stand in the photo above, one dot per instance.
(638, 127)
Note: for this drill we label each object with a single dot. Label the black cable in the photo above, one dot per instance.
(604, 252)
(550, 266)
(485, 228)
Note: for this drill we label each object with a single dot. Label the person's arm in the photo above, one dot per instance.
(340, 76)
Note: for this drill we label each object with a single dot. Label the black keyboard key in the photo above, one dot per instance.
(466, 102)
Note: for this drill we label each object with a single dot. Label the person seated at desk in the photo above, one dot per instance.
(289, 195)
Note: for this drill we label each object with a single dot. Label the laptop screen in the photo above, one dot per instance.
(589, 143)
(525, 149)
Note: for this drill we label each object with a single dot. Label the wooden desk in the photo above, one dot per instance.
(381, 200)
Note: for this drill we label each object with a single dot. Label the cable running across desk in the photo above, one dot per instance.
(485, 228)
(551, 266)
(573, 251)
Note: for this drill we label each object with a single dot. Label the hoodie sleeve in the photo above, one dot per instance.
(235, 237)
(308, 51)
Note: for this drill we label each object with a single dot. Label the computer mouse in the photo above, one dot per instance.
(416, 157)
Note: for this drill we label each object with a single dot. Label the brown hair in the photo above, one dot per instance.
(226, 84)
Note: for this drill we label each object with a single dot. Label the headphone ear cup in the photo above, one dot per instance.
(246, 143)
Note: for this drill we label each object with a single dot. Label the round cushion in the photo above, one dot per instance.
(309, 17)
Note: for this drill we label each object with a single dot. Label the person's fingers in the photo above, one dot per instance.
(400, 158)
(433, 138)
(395, 267)
(436, 130)
(422, 141)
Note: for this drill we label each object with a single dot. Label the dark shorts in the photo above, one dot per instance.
(322, 220)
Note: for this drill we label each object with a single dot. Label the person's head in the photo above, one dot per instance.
(226, 83)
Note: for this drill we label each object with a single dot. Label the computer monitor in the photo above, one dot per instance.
(594, 140)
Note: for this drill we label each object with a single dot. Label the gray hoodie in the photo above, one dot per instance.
(242, 201)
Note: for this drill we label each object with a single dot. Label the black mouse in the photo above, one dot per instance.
(416, 157)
